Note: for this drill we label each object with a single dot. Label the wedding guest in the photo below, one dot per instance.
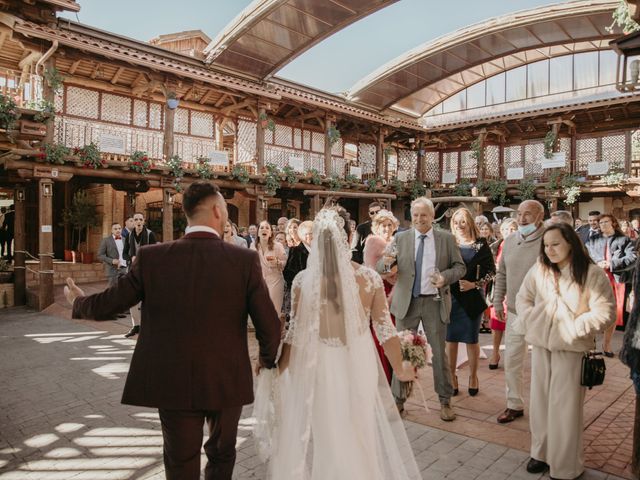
(273, 260)
(362, 232)
(467, 302)
(561, 216)
(296, 261)
(191, 364)
(635, 224)
(428, 262)
(3, 233)
(282, 225)
(578, 224)
(9, 226)
(507, 227)
(239, 241)
(293, 239)
(485, 230)
(519, 254)
(139, 237)
(591, 229)
(281, 238)
(480, 219)
(565, 277)
(615, 253)
(305, 232)
(129, 225)
(627, 230)
(383, 226)
(253, 234)
(111, 252)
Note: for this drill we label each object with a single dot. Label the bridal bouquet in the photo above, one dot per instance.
(414, 348)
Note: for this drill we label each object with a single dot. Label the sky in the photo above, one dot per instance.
(335, 64)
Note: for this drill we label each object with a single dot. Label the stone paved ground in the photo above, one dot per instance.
(61, 417)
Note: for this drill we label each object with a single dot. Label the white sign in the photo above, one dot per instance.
(557, 160)
(46, 229)
(449, 177)
(356, 171)
(111, 143)
(54, 173)
(598, 168)
(297, 163)
(219, 158)
(515, 173)
(402, 176)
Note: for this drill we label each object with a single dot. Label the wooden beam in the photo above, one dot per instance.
(220, 100)
(237, 106)
(45, 243)
(96, 70)
(74, 66)
(330, 193)
(116, 75)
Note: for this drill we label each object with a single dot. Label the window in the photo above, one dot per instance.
(538, 79)
(496, 89)
(517, 84)
(585, 70)
(561, 74)
(475, 95)
(608, 65)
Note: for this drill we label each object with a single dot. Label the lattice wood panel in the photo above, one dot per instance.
(155, 116)
(202, 124)
(116, 108)
(432, 167)
(246, 141)
(468, 165)
(492, 161)
(391, 160)
(181, 121)
(408, 162)
(306, 140)
(58, 100)
(367, 158)
(532, 155)
(148, 141)
(337, 148)
(284, 136)
(586, 153)
(338, 166)
(317, 142)
(140, 108)
(297, 138)
(313, 160)
(277, 156)
(190, 148)
(450, 164)
(513, 157)
(614, 151)
(82, 102)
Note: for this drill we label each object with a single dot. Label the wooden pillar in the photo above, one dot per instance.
(261, 209)
(19, 247)
(327, 146)
(315, 206)
(167, 144)
(573, 152)
(420, 162)
(129, 205)
(167, 214)
(49, 95)
(284, 207)
(220, 133)
(260, 141)
(380, 170)
(45, 236)
(481, 164)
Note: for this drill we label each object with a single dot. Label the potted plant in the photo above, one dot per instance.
(172, 100)
(334, 135)
(176, 171)
(8, 113)
(417, 189)
(496, 190)
(54, 79)
(81, 216)
(290, 175)
(272, 179)
(45, 111)
(267, 122)
(549, 143)
(6, 272)
(54, 153)
(335, 182)
(240, 173)
(315, 176)
(89, 156)
(139, 162)
(352, 179)
(463, 189)
(527, 189)
(203, 169)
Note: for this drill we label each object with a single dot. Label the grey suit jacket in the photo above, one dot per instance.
(107, 252)
(448, 261)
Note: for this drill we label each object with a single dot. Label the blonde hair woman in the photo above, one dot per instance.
(468, 302)
(272, 259)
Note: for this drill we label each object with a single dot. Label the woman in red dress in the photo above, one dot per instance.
(383, 226)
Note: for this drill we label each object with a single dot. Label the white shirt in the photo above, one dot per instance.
(200, 228)
(428, 262)
(120, 247)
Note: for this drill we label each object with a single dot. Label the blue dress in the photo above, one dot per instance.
(461, 328)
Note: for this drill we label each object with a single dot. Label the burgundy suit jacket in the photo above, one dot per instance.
(192, 351)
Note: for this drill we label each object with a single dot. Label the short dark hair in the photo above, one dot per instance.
(115, 223)
(375, 204)
(195, 194)
(594, 213)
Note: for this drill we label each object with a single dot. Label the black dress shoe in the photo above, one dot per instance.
(536, 466)
(134, 331)
(122, 315)
(608, 354)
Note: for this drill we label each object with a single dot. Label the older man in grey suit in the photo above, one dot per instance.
(111, 254)
(428, 261)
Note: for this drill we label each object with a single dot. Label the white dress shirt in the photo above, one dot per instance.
(120, 247)
(428, 262)
(200, 228)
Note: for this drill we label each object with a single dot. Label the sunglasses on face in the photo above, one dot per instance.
(373, 212)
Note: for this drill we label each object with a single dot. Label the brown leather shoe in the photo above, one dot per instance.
(446, 413)
(510, 415)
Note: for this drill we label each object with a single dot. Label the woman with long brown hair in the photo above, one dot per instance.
(273, 258)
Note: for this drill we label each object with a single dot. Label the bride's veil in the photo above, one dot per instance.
(327, 313)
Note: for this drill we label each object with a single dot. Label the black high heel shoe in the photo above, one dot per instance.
(494, 366)
(474, 391)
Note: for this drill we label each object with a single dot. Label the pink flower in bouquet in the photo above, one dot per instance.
(414, 348)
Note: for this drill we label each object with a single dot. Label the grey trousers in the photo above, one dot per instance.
(427, 310)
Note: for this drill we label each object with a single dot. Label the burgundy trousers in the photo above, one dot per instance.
(182, 431)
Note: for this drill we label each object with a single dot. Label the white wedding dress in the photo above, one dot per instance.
(330, 415)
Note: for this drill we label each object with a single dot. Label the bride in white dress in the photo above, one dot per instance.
(330, 414)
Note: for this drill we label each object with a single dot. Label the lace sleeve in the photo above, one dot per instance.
(295, 296)
(380, 316)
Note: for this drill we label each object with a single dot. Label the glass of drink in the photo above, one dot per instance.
(390, 254)
(436, 277)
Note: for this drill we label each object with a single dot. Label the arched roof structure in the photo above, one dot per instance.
(425, 76)
(268, 34)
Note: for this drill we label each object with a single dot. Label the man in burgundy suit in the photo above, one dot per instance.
(191, 360)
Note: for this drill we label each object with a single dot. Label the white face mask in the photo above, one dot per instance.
(526, 230)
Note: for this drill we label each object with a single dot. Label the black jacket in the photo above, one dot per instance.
(296, 262)
(622, 251)
(147, 237)
(362, 232)
(481, 268)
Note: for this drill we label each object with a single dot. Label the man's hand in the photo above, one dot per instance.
(115, 261)
(257, 367)
(72, 291)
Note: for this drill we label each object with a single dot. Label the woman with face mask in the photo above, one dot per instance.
(564, 301)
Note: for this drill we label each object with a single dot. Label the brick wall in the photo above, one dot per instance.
(80, 273)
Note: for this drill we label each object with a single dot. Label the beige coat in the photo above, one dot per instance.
(561, 316)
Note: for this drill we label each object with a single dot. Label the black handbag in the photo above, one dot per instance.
(593, 369)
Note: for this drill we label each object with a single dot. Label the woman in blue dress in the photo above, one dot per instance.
(468, 302)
